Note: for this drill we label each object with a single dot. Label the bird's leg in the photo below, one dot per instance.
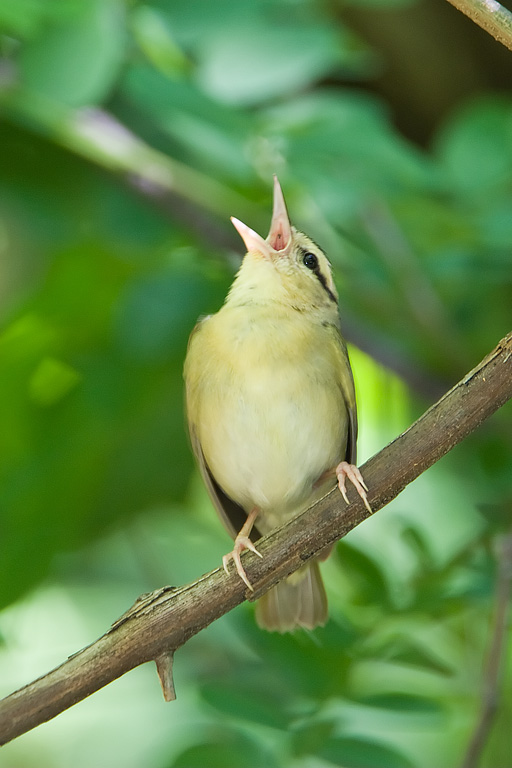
(242, 542)
(344, 470)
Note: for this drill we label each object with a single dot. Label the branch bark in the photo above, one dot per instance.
(164, 620)
(491, 16)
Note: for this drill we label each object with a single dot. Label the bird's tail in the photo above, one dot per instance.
(298, 601)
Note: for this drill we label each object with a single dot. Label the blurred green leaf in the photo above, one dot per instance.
(405, 649)
(273, 60)
(51, 381)
(366, 578)
(309, 737)
(213, 134)
(345, 152)
(267, 704)
(76, 60)
(158, 312)
(476, 148)
(24, 18)
(154, 35)
(352, 752)
(231, 752)
(401, 702)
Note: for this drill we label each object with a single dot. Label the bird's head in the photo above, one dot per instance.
(287, 267)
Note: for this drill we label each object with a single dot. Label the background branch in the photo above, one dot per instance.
(164, 620)
(491, 16)
(494, 663)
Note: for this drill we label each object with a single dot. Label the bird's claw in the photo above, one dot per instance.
(241, 543)
(345, 470)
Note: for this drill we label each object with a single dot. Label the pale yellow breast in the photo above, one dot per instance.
(263, 393)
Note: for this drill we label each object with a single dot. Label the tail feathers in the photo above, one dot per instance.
(298, 601)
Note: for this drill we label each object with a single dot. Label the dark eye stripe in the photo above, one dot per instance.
(323, 281)
(316, 271)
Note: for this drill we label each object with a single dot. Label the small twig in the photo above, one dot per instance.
(491, 16)
(164, 668)
(163, 621)
(492, 675)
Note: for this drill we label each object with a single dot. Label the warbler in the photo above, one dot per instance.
(271, 404)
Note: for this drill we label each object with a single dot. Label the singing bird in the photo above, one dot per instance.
(271, 405)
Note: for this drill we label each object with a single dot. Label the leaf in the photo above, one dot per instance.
(216, 135)
(52, 380)
(311, 736)
(230, 752)
(263, 706)
(154, 35)
(353, 752)
(366, 577)
(24, 19)
(474, 145)
(405, 650)
(158, 312)
(405, 703)
(76, 60)
(248, 69)
(345, 151)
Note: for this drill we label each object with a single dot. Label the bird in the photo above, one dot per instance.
(271, 408)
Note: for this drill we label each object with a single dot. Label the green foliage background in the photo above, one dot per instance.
(129, 133)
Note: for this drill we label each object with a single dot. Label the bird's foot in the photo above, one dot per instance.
(344, 470)
(241, 542)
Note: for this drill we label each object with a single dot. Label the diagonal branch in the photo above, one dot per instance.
(164, 620)
(491, 16)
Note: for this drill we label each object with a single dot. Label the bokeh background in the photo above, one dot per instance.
(130, 132)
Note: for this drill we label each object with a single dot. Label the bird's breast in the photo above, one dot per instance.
(268, 408)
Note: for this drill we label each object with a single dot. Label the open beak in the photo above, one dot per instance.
(253, 241)
(280, 233)
(280, 228)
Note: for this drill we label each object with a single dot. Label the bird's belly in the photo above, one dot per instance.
(267, 442)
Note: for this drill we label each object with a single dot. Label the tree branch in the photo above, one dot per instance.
(164, 620)
(492, 682)
(491, 16)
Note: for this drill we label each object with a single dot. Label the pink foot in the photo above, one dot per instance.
(345, 470)
(241, 542)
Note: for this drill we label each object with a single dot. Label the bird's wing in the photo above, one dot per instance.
(346, 382)
(232, 514)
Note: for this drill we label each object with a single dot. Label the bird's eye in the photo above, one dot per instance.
(310, 261)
